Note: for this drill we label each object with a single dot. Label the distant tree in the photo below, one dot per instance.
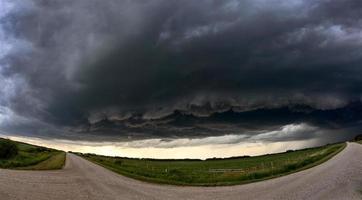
(8, 149)
(39, 150)
(358, 137)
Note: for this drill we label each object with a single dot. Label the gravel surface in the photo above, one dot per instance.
(338, 178)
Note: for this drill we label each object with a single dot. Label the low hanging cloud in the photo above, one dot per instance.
(289, 132)
(202, 148)
(95, 67)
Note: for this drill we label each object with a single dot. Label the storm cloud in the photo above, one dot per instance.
(165, 68)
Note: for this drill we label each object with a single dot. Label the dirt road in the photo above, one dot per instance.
(338, 178)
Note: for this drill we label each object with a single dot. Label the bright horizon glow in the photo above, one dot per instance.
(192, 152)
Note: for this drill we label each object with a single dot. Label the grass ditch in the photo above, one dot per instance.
(217, 172)
(31, 157)
(358, 139)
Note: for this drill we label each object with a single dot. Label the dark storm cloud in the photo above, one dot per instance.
(83, 61)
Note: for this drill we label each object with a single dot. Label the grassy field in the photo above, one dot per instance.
(33, 158)
(217, 171)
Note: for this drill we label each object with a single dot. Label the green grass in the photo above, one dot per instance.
(360, 141)
(34, 158)
(214, 172)
(55, 161)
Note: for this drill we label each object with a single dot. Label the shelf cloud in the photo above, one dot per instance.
(156, 69)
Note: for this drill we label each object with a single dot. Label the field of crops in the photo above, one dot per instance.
(217, 171)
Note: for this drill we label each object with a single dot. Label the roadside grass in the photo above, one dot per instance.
(55, 161)
(217, 172)
(33, 157)
(358, 139)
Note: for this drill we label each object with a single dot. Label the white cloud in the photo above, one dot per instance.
(288, 131)
(197, 151)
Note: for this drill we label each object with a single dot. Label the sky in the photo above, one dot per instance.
(202, 79)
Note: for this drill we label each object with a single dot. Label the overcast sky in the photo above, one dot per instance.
(169, 69)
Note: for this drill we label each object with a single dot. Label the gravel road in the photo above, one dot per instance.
(338, 178)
